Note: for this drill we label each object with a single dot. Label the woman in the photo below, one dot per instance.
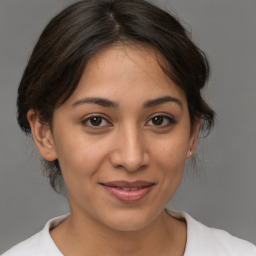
(111, 96)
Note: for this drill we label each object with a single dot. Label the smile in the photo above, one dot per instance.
(130, 189)
(128, 192)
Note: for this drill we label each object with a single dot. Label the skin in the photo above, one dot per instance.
(127, 143)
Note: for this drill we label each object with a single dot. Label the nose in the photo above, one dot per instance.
(130, 151)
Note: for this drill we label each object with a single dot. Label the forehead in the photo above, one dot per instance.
(126, 70)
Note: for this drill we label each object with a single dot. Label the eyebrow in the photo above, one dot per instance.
(161, 100)
(108, 103)
(99, 101)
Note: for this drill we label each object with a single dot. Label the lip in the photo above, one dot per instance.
(128, 192)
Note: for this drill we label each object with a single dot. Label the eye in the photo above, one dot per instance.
(161, 121)
(95, 122)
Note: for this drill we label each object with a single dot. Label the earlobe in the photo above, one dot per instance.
(42, 136)
(193, 138)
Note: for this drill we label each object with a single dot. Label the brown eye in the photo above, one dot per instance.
(95, 120)
(157, 120)
(161, 121)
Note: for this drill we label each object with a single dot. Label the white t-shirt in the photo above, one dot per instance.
(201, 241)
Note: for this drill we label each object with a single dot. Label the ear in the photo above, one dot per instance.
(193, 138)
(42, 136)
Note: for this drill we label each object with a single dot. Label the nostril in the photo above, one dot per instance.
(127, 162)
(129, 150)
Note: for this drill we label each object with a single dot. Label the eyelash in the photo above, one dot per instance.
(89, 119)
(163, 118)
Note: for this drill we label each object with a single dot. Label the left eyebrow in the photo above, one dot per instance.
(161, 100)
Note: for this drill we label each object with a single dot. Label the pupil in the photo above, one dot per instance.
(158, 120)
(96, 121)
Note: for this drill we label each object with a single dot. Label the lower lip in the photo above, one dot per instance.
(129, 196)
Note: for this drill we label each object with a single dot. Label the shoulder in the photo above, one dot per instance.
(27, 247)
(203, 240)
(40, 244)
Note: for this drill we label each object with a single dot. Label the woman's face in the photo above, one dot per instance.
(122, 139)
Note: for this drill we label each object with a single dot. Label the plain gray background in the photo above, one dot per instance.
(221, 193)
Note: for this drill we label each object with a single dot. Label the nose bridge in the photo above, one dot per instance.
(133, 146)
(130, 151)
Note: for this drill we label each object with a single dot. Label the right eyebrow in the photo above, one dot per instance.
(99, 101)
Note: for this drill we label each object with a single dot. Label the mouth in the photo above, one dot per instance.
(128, 192)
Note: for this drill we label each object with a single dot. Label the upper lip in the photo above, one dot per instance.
(128, 184)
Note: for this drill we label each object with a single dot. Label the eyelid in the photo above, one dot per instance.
(88, 117)
(172, 120)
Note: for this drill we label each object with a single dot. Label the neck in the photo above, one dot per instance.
(79, 234)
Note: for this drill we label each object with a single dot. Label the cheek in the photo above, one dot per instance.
(79, 155)
(172, 151)
(170, 158)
